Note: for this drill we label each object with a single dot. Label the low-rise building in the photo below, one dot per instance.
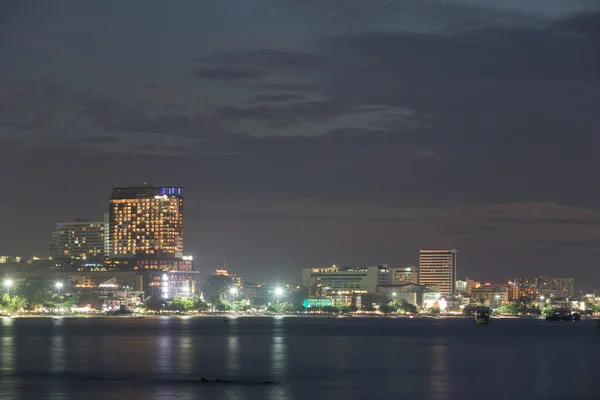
(411, 292)
(489, 294)
(345, 280)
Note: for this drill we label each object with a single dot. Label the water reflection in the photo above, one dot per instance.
(7, 351)
(438, 376)
(278, 362)
(164, 354)
(57, 354)
(185, 354)
(233, 354)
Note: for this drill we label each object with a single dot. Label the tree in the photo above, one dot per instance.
(330, 309)
(13, 303)
(508, 309)
(201, 306)
(223, 306)
(181, 305)
(385, 309)
(406, 307)
(524, 300)
(156, 304)
(367, 308)
(372, 298)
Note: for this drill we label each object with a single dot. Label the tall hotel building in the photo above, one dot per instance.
(438, 270)
(146, 221)
(146, 235)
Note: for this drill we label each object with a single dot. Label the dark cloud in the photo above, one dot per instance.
(112, 115)
(278, 97)
(99, 139)
(228, 74)
(289, 87)
(544, 221)
(286, 115)
(31, 105)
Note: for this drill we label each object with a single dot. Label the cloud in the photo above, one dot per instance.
(99, 139)
(112, 115)
(227, 74)
(258, 65)
(278, 97)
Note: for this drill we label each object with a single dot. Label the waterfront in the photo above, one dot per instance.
(320, 358)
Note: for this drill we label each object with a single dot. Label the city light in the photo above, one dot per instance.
(8, 283)
(278, 291)
(58, 285)
(443, 304)
(233, 290)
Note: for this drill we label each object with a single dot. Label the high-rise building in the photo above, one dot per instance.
(146, 221)
(437, 269)
(79, 239)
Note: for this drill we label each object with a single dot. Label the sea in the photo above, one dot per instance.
(297, 358)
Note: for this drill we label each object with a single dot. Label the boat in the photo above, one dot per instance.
(563, 315)
(482, 317)
(576, 317)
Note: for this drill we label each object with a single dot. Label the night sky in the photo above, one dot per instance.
(313, 132)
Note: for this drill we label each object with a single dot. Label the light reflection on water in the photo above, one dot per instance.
(8, 347)
(438, 378)
(100, 359)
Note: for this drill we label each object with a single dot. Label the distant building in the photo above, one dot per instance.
(544, 285)
(10, 260)
(460, 287)
(389, 275)
(489, 294)
(79, 239)
(146, 235)
(470, 285)
(411, 292)
(343, 280)
(146, 221)
(437, 269)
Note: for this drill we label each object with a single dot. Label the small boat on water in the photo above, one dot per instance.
(563, 315)
(482, 317)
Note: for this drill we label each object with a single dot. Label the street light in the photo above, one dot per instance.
(58, 286)
(8, 283)
(278, 293)
(497, 300)
(233, 291)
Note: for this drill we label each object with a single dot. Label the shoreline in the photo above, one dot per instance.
(233, 316)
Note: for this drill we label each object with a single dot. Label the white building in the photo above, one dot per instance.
(460, 287)
(437, 269)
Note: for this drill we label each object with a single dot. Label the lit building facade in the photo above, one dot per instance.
(489, 294)
(437, 270)
(397, 275)
(328, 280)
(146, 221)
(544, 285)
(79, 239)
(460, 287)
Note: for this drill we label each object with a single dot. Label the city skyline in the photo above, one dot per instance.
(350, 135)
